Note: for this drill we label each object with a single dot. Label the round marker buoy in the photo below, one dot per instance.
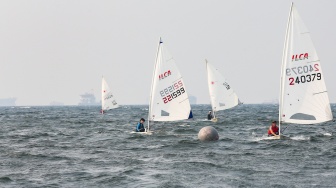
(208, 133)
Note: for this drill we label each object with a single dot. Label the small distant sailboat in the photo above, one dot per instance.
(221, 93)
(303, 94)
(108, 100)
(168, 96)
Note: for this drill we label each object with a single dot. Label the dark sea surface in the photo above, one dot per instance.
(78, 147)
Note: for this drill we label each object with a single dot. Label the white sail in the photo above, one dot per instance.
(108, 100)
(168, 99)
(303, 97)
(221, 93)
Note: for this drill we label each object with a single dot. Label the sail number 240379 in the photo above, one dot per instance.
(303, 70)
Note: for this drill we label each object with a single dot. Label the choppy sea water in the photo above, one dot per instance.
(78, 147)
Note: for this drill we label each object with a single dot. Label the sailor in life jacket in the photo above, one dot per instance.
(210, 115)
(140, 127)
(273, 129)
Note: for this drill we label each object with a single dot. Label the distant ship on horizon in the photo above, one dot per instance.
(192, 99)
(271, 101)
(7, 102)
(88, 99)
(56, 103)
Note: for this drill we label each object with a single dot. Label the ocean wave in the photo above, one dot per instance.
(78, 147)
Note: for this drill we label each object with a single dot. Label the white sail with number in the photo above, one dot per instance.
(221, 93)
(168, 98)
(108, 100)
(303, 93)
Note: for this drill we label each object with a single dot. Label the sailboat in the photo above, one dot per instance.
(108, 100)
(221, 93)
(303, 93)
(168, 95)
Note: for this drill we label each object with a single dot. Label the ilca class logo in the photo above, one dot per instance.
(299, 57)
(164, 75)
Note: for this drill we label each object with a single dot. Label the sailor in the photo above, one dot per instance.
(140, 127)
(210, 115)
(273, 129)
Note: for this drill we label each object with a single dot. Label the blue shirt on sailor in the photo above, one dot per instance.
(140, 127)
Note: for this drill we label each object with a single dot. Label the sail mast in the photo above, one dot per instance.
(212, 105)
(284, 59)
(102, 95)
(151, 91)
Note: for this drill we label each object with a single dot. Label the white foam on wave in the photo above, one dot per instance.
(327, 134)
(184, 125)
(300, 137)
(203, 120)
(155, 146)
(141, 133)
(25, 107)
(257, 139)
(264, 137)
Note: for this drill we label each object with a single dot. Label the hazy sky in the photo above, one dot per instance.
(55, 50)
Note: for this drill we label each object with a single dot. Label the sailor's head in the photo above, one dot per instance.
(142, 120)
(209, 111)
(273, 123)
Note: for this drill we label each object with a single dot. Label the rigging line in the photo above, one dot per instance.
(284, 130)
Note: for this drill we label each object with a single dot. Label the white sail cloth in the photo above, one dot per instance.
(168, 99)
(222, 95)
(303, 94)
(108, 100)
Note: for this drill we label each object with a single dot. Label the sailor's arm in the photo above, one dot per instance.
(270, 128)
(138, 127)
